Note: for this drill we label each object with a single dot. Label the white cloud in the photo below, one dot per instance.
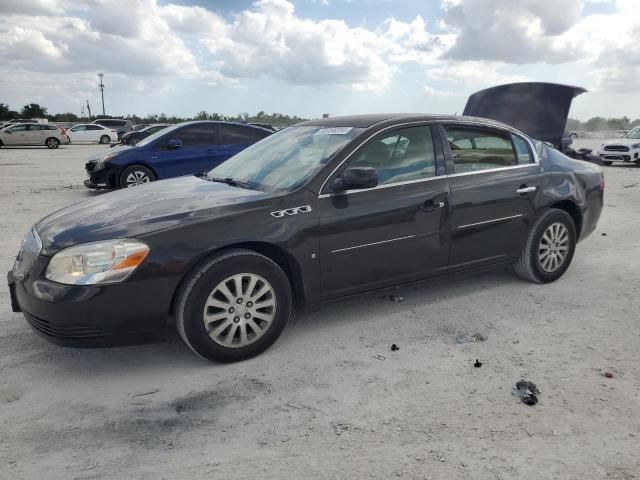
(147, 47)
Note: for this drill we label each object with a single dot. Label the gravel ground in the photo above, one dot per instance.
(330, 399)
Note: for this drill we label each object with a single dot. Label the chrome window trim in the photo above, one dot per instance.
(494, 220)
(371, 244)
(534, 153)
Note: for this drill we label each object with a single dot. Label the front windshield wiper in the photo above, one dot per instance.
(229, 181)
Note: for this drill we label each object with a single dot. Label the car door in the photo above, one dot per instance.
(16, 135)
(77, 133)
(195, 154)
(494, 179)
(94, 132)
(395, 231)
(35, 134)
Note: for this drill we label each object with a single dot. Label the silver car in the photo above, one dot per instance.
(33, 134)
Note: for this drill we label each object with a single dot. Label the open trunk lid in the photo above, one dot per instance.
(538, 109)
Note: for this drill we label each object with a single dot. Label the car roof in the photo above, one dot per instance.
(369, 120)
(222, 122)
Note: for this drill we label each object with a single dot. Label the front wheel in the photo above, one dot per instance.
(135, 175)
(105, 139)
(549, 248)
(234, 306)
(134, 141)
(52, 142)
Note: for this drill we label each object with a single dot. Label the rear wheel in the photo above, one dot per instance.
(549, 248)
(52, 142)
(135, 175)
(234, 307)
(105, 139)
(134, 141)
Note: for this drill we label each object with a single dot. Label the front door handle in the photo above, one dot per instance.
(431, 205)
(524, 189)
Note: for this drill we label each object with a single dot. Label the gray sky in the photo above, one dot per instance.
(308, 57)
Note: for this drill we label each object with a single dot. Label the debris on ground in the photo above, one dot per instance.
(394, 298)
(394, 348)
(380, 357)
(150, 392)
(607, 374)
(604, 234)
(631, 185)
(469, 338)
(340, 428)
(527, 391)
(478, 363)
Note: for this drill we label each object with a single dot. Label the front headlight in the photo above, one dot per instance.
(110, 261)
(635, 145)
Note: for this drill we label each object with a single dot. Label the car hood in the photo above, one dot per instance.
(137, 211)
(112, 152)
(538, 109)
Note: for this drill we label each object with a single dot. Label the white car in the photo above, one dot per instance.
(90, 133)
(33, 134)
(625, 149)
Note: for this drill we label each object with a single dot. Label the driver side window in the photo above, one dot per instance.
(398, 156)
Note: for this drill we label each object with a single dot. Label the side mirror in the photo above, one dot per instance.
(174, 143)
(355, 178)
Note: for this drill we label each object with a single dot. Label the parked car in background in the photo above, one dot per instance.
(140, 126)
(182, 149)
(33, 134)
(625, 149)
(91, 133)
(132, 138)
(120, 125)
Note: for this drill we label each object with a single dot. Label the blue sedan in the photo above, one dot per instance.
(183, 149)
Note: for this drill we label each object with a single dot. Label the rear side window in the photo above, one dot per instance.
(522, 150)
(50, 127)
(93, 127)
(194, 135)
(235, 134)
(34, 127)
(474, 149)
(399, 156)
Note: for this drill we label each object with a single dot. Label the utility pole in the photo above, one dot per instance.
(89, 110)
(101, 85)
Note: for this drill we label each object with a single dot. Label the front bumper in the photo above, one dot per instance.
(611, 156)
(105, 178)
(133, 312)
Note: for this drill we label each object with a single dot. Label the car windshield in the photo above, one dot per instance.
(634, 134)
(286, 159)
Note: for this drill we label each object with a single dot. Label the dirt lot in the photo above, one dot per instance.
(329, 399)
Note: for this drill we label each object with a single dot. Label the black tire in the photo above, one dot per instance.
(52, 142)
(142, 173)
(606, 162)
(199, 287)
(133, 141)
(1, 144)
(529, 266)
(105, 139)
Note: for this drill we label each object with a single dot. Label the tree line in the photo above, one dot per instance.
(33, 110)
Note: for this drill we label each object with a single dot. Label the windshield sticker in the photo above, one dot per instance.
(334, 131)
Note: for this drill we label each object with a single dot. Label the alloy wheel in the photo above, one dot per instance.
(137, 178)
(52, 143)
(239, 310)
(553, 249)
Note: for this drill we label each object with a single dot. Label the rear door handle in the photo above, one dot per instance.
(524, 189)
